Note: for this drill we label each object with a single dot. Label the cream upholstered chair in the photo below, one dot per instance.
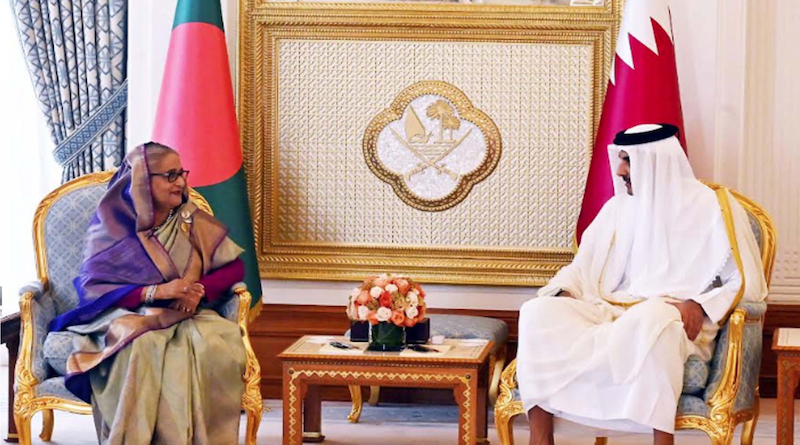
(59, 228)
(717, 395)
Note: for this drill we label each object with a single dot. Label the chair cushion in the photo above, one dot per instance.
(54, 387)
(692, 406)
(57, 347)
(468, 327)
(695, 376)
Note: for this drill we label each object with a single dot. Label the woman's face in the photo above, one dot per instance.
(166, 194)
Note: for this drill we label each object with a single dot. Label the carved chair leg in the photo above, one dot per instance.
(504, 424)
(497, 364)
(253, 422)
(601, 441)
(374, 395)
(355, 396)
(47, 425)
(725, 437)
(749, 427)
(23, 421)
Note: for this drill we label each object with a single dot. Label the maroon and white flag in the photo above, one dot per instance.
(642, 89)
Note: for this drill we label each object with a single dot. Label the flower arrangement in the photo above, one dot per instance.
(395, 299)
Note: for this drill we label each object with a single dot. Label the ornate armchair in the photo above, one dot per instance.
(717, 395)
(59, 228)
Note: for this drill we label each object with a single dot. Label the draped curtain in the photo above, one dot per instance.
(76, 53)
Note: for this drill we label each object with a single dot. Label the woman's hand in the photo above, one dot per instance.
(187, 295)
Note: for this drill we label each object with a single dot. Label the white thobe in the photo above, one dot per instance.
(609, 368)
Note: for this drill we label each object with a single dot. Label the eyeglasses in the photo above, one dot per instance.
(173, 175)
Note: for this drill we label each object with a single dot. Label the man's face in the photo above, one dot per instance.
(624, 170)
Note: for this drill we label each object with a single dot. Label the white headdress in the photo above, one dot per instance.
(670, 232)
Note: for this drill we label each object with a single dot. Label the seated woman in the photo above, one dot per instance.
(157, 365)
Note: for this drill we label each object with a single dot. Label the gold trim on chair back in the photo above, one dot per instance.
(65, 189)
(768, 233)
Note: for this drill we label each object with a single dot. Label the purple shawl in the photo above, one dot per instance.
(120, 253)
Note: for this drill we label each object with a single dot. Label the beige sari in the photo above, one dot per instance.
(177, 385)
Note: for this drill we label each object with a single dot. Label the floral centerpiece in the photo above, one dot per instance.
(390, 303)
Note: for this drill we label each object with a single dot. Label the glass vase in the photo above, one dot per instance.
(387, 337)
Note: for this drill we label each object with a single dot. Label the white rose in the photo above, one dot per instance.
(384, 314)
(351, 311)
(412, 312)
(391, 288)
(376, 292)
(363, 312)
(413, 297)
(354, 293)
(384, 276)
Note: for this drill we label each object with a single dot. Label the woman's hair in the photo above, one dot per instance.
(154, 152)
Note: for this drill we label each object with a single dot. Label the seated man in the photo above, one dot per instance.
(660, 268)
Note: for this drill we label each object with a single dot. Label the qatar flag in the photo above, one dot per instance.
(642, 89)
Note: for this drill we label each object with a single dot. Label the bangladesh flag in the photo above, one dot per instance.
(197, 117)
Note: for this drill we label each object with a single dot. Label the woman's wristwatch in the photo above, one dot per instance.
(149, 296)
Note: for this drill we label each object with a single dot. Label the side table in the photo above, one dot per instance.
(461, 366)
(10, 338)
(786, 344)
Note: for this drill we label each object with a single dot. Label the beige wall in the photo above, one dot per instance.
(737, 63)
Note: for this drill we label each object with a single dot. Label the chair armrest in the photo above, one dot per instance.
(251, 399)
(736, 363)
(36, 311)
(508, 383)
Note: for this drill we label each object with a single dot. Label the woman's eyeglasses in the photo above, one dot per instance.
(173, 175)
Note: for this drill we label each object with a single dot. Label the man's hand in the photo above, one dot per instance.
(692, 316)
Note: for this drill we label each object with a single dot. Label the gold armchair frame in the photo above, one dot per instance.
(722, 419)
(26, 403)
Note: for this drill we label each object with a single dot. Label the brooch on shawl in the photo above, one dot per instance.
(186, 218)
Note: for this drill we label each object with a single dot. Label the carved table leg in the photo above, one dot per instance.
(13, 350)
(312, 415)
(787, 383)
(292, 409)
(482, 408)
(466, 395)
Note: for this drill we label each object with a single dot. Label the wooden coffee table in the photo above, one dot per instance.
(311, 362)
(786, 344)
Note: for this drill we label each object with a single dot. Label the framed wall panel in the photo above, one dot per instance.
(446, 141)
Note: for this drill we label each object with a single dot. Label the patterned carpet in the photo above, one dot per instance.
(387, 424)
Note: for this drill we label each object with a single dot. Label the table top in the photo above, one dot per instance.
(786, 339)
(318, 348)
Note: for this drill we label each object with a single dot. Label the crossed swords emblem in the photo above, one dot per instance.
(426, 162)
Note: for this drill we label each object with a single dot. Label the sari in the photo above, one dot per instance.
(153, 375)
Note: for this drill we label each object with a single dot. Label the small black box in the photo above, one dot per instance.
(420, 333)
(359, 331)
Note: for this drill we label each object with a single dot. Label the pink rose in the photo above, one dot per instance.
(372, 317)
(402, 285)
(398, 318)
(363, 297)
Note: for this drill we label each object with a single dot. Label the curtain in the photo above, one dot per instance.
(76, 54)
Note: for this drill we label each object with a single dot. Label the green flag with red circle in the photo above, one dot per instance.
(196, 116)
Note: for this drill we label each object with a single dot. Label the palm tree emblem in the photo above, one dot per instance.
(443, 111)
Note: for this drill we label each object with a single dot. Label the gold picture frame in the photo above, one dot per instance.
(265, 26)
